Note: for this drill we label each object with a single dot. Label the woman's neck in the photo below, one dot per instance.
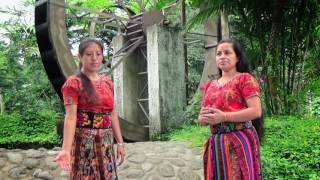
(229, 74)
(93, 76)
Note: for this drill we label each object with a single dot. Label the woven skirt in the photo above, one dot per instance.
(233, 155)
(92, 155)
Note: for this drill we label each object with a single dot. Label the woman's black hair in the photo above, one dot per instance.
(87, 84)
(243, 66)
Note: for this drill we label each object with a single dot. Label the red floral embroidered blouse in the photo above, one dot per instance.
(231, 96)
(73, 93)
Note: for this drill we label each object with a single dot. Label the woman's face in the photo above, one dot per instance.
(92, 57)
(226, 58)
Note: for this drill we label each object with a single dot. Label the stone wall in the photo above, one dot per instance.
(143, 161)
(166, 80)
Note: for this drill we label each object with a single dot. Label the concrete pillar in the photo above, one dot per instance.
(166, 78)
(118, 42)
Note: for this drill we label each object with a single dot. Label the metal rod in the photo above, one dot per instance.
(140, 100)
(143, 54)
(144, 112)
(142, 73)
(134, 32)
(192, 42)
(201, 34)
(125, 48)
(143, 89)
(136, 44)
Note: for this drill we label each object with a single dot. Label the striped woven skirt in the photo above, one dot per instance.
(233, 155)
(93, 156)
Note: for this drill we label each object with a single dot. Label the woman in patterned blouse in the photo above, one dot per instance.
(90, 121)
(230, 105)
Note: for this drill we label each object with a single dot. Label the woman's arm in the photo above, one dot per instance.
(117, 134)
(69, 126)
(116, 127)
(253, 111)
(216, 116)
(64, 156)
(201, 120)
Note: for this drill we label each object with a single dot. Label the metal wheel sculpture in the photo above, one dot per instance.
(53, 42)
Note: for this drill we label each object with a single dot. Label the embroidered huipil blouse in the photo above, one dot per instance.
(73, 93)
(232, 95)
(90, 114)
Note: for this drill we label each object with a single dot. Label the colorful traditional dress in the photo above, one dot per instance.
(232, 150)
(92, 153)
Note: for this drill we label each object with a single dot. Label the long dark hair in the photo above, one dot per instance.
(88, 88)
(243, 66)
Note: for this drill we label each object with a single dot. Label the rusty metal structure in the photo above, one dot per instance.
(57, 58)
(54, 45)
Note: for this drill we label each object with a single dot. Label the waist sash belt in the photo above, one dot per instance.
(94, 120)
(230, 127)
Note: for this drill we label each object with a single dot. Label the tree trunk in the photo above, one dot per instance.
(225, 30)
(1, 102)
(272, 53)
(277, 14)
(185, 52)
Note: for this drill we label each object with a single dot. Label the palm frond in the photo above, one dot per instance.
(201, 17)
(134, 6)
(207, 9)
(163, 3)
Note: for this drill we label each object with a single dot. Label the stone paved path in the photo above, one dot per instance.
(144, 161)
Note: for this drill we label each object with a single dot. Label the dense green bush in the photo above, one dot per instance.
(312, 95)
(291, 147)
(315, 107)
(192, 110)
(196, 61)
(38, 130)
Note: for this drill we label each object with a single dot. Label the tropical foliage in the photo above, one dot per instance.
(282, 42)
(31, 104)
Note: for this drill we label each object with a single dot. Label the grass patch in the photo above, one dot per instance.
(291, 147)
(195, 134)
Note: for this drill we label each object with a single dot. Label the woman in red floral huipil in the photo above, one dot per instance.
(90, 122)
(229, 105)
